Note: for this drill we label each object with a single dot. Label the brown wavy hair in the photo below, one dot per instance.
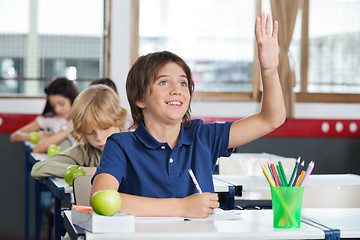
(143, 74)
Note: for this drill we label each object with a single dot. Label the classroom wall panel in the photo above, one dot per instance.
(12, 193)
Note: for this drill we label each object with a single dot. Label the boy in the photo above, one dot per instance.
(96, 114)
(149, 167)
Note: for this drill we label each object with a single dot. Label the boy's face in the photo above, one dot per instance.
(168, 98)
(97, 136)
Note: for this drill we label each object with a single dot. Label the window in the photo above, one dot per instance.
(43, 39)
(334, 51)
(215, 38)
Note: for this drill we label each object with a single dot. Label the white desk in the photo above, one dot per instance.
(253, 224)
(60, 188)
(347, 220)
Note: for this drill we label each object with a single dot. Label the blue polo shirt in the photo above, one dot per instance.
(145, 167)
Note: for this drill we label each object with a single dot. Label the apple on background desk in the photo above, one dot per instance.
(71, 172)
(53, 149)
(34, 137)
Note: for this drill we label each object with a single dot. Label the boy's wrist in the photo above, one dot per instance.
(266, 73)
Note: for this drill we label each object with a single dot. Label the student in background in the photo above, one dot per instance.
(96, 114)
(60, 94)
(61, 97)
(149, 167)
(105, 81)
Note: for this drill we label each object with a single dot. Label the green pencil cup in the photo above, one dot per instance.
(286, 204)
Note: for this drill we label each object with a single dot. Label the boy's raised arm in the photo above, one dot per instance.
(194, 206)
(272, 113)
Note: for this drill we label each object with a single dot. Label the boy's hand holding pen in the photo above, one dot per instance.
(276, 177)
(200, 205)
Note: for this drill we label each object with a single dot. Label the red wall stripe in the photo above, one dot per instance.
(10, 122)
(324, 128)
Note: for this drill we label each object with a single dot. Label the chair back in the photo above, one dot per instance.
(82, 190)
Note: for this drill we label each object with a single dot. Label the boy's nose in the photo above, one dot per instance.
(175, 90)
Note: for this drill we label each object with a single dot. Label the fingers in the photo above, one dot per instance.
(268, 25)
(262, 16)
(263, 26)
(275, 29)
(201, 205)
(213, 200)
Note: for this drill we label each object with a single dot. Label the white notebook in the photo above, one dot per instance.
(85, 218)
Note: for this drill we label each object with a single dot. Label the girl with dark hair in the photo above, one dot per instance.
(54, 124)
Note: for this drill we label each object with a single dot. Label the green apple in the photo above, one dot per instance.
(53, 149)
(106, 202)
(34, 137)
(71, 172)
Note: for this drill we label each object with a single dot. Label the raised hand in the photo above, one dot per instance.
(267, 43)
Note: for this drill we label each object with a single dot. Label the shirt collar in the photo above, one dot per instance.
(186, 137)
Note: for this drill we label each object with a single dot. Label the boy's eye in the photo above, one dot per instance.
(89, 133)
(183, 84)
(163, 83)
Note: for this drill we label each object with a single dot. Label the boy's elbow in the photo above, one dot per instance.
(35, 172)
(279, 120)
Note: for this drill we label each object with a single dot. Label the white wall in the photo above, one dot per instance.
(120, 64)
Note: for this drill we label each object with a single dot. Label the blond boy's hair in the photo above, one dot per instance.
(97, 106)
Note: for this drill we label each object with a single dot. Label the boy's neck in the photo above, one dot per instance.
(164, 133)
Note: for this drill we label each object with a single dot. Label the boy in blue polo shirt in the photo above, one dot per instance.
(149, 166)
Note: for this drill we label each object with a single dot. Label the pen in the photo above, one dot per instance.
(195, 181)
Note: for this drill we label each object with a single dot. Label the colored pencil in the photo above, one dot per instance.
(307, 169)
(274, 174)
(298, 173)
(307, 174)
(195, 181)
(300, 178)
(267, 176)
(294, 171)
(270, 170)
(283, 174)
(280, 176)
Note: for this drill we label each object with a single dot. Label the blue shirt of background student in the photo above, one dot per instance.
(145, 167)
